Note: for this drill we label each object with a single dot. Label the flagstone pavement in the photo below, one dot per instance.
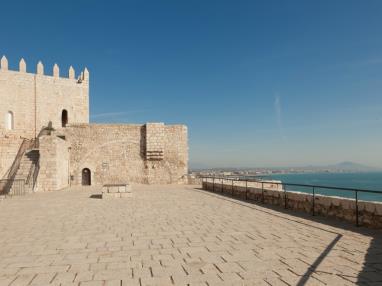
(176, 235)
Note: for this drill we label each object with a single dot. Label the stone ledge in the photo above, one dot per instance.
(120, 188)
(116, 195)
(116, 191)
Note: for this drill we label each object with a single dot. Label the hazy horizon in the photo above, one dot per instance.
(200, 166)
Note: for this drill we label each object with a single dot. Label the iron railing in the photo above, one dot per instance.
(25, 145)
(313, 188)
(34, 170)
(11, 187)
(32, 175)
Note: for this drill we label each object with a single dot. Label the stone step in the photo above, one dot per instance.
(23, 170)
(27, 161)
(24, 166)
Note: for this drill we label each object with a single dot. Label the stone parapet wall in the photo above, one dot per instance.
(370, 213)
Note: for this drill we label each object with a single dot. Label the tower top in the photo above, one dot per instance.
(84, 75)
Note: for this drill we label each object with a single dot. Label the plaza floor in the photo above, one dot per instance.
(176, 235)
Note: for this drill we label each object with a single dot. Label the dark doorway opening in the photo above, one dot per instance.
(64, 118)
(86, 177)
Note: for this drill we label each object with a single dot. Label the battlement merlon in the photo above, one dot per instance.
(82, 78)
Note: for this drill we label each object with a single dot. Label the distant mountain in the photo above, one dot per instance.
(345, 166)
(352, 167)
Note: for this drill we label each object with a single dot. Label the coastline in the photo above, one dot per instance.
(356, 180)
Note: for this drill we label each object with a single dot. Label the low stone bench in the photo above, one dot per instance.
(116, 191)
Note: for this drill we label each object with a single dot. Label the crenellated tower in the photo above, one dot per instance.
(30, 102)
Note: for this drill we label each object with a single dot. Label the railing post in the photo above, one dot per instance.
(356, 208)
(313, 202)
(20, 188)
(246, 189)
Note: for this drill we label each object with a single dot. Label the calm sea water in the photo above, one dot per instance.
(372, 181)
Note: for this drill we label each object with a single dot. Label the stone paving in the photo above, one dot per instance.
(176, 235)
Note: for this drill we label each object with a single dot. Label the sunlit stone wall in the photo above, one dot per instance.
(116, 153)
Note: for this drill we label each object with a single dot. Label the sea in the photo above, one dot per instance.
(364, 180)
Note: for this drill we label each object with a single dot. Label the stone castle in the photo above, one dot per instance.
(47, 142)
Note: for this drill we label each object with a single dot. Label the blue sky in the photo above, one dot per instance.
(259, 83)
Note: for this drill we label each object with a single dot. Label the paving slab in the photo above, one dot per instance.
(177, 235)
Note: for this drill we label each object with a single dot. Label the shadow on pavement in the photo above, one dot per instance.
(371, 273)
(96, 196)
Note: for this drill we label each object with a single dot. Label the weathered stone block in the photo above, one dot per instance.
(110, 195)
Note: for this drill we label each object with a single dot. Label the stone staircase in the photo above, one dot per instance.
(27, 171)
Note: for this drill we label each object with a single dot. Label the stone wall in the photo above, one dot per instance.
(155, 139)
(54, 164)
(370, 213)
(9, 146)
(151, 153)
(37, 100)
(116, 153)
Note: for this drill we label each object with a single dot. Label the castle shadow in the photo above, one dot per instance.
(96, 196)
(371, 273)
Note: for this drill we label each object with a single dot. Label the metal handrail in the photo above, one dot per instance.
(313, 187)
(25, 144)
(18, 186)
(33, 174)
(295, 185)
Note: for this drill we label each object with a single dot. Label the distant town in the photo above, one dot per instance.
(344, 167)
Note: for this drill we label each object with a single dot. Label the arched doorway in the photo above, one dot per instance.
(86, 177)
(64, 118)
(9, 121)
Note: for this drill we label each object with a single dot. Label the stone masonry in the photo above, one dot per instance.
(54, 164)
(55, 110)
(37, 100)
(155, 141)
(115, 153)
(9, 147)
(33, 101)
